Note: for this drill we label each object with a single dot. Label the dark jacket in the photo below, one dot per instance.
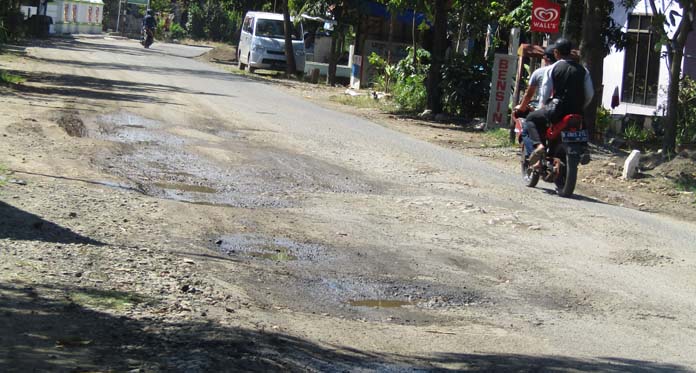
(149, 21)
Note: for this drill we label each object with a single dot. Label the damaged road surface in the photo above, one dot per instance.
(177, 217)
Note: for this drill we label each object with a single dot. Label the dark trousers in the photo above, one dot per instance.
(534, 124)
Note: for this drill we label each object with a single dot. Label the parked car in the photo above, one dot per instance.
(262, 43)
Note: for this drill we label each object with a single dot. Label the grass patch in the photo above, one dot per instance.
(3, 173)
(106, 299)
(497, 138)
(361, 102)
(685, 183)
(8, 78)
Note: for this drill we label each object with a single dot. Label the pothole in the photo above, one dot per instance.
(278, 255)
(268, 248)
(72, 124)
(643, 257)
(391, 293)
(181, 168)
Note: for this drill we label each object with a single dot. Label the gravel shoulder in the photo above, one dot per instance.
(155, 219)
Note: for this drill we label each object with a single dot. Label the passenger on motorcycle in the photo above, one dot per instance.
(532, 92)
(566, 89)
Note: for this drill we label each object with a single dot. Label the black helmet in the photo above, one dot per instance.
(548, 53)
(564, 46)
(149, 12)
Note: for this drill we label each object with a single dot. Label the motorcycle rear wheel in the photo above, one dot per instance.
(568, 175)
(530, 177)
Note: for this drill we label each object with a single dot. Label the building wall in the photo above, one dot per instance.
(76, 17)
(614, 64)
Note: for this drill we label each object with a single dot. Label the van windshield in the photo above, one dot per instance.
(273, 28)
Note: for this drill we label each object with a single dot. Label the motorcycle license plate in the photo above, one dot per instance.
(577, 136)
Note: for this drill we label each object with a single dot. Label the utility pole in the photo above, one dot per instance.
(118, 18)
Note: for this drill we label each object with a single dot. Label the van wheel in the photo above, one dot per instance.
(240, 65)
(249, 68)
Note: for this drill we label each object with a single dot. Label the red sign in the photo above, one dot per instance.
(546, 16)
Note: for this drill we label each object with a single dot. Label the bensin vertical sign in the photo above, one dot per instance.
(546, 16)
(504, 67)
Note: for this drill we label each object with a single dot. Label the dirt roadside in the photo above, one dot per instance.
(661, 187)
(97, 276)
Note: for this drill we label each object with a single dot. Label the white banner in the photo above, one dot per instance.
(504, 70)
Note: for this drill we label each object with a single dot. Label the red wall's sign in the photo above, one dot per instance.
(546, 16)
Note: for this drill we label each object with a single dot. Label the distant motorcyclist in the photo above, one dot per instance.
(149, 24)
(149, 20)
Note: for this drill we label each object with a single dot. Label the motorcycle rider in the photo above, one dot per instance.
(570, 86)
(149, 24)
(535, 80)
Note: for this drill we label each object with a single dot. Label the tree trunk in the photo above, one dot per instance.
(390, 37)
(290, 68)
(413, 37)
(569, 6)
(333, 59)
(438, 57)
(669, 143)
(592, 53)
(675, 57)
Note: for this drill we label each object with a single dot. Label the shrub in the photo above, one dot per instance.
(410, 91)
(465, 86)
(196, 22)
(385, 73)
(405, 80)
(177, 32)
(603, 120)
(686, 112)
(635, 133)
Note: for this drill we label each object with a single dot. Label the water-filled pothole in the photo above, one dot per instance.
(280, 255)
(185, 187)
(260, 247)
(380, 303)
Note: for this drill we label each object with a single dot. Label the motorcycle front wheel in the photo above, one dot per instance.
(530, 177)
(567, 176)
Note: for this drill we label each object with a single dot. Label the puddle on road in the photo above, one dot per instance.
(127, 119)
(261, 247)
(278, 255)
(164, 164)
(380, 303)
(186, 187)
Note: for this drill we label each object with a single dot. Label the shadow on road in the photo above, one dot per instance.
(17, 224)
(52, 87)
(51, 328)
(149, 69)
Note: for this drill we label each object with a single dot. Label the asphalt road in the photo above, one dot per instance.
(478, 263)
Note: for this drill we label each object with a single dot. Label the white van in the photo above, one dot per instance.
(262, 43)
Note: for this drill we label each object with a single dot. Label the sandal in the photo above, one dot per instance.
(536, 157)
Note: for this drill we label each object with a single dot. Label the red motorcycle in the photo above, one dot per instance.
(566, 147)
